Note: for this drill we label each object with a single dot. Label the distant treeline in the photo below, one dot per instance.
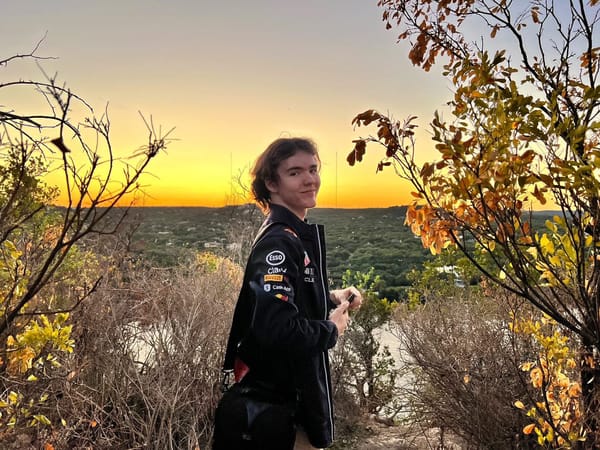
(357, 239)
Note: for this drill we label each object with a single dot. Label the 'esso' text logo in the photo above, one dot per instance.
(275, 258)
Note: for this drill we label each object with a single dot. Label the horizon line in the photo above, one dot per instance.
(253, 204)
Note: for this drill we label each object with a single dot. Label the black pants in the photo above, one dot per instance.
(250, 419)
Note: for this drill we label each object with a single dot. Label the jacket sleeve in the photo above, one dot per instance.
(274, 273)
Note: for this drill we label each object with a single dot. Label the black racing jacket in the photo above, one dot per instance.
(280, 327)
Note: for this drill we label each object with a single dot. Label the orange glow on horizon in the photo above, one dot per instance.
(217, 178)
(154, 196)
(164, 189)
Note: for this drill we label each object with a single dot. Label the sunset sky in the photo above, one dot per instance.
(231, 76)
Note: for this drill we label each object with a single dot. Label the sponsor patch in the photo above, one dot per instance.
(272, 270)
(310, 274)
(306, 259)
(275, 258)
(281, 287)
(273, 277)
(267, 287)
(282, 297)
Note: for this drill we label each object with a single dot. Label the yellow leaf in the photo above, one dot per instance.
(20, 361)
(42, 419)
(529, 428)
(14, 253)
(546, 244)
(525, 367)
(533, 252)
(551, 226)
(13, 397)
(519, 404)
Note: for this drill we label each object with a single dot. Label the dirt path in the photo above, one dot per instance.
(401, 438)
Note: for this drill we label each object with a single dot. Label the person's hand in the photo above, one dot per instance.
(339, 316)
(340, 295)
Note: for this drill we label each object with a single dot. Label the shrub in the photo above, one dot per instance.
(364, 373)
(466, 368)
(149, 351)
(556, 412)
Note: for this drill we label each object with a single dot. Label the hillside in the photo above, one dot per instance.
(357, 239)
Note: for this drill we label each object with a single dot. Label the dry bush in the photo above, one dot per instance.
(149, 353)
(466, 369)
(348, 414)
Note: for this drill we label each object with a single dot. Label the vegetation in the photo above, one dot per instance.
(114, 319)
(523, 130)
(357, 239)
(148, 357)
(45, 268)
(465, 368)
(364, 372)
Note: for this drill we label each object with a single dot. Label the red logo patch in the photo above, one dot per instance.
(306, 259)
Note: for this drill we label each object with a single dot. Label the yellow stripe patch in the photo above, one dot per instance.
(273, 277)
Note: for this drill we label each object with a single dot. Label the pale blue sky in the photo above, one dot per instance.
(231, 76)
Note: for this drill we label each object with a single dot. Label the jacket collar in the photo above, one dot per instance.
(278, 213)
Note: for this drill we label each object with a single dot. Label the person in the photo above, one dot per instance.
(286, 317)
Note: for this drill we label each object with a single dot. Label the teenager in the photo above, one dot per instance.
(286, 318)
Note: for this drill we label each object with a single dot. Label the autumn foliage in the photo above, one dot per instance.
(557, 416)
(524, 134)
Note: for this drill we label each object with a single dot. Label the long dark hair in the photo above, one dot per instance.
(266, 165)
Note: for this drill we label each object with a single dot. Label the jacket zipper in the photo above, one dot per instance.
(324, 355)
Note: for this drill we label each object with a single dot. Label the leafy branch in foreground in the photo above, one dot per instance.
(520, 136)
(45, 269)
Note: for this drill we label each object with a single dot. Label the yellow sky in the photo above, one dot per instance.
(230, 77)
